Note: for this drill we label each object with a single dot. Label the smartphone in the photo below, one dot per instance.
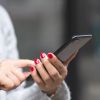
(69, 48)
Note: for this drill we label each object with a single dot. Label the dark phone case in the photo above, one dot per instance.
(68, 49)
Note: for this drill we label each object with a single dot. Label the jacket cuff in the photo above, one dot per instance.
(62, 93)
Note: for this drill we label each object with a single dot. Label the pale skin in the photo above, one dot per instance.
(10, 73)
(52, 72)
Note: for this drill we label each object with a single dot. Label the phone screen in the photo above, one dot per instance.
(67, 49)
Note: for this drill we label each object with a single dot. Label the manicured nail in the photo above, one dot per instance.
(50, 55)
(31, 68)
(42, 55)
(37, 61)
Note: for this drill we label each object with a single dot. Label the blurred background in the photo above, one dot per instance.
(44, 25)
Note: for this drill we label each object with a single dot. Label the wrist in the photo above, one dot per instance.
(50, 93)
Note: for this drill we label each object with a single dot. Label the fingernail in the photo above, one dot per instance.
(50, 55)
(31, 68)
(37, 61)
(42, 55)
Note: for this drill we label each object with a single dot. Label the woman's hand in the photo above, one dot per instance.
(10, 73)
(49, 72)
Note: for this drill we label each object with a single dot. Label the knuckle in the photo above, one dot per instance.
(39, 82)
(55, 61)
(17, 82)
(11, 85)
(45, 62)
(64, 74)
(47, 79)
(65, 70)
(35, 75)
(55, 74)
(22, 77)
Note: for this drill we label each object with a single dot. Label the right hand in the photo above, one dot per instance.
(49, 72)
(11, 75)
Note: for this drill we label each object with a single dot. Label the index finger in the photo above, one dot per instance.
(24, 63)
(57, 63)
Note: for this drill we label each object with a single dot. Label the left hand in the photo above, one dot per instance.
(52, 72)
(11, 75)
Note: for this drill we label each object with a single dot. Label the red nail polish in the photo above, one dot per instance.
(31, 68)
(42, 55)
(37, 61)
(50, 55)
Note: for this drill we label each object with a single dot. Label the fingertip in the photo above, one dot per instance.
(32, 68)
(43, 56)
(27, 74)
(50, 55)
(36, 61)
